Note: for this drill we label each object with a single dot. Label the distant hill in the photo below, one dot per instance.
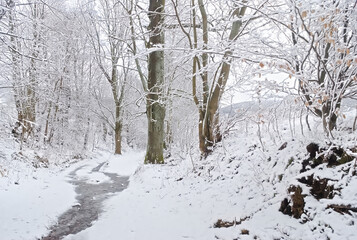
(253, 106)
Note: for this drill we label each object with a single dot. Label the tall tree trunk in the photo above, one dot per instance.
(155, 108)
(118, 128)
(202, 135)
(118, 96)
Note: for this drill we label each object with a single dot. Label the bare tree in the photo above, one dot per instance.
(26, 68)
(319, 52)
(108, 38)
(213, 81)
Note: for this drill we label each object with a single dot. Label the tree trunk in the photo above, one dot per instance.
(333, 122)
(155, 108)
(118, 99)
(30, 107)
(169, 133)
(329, 117)
(31, 88)
(118, 129)
(155, 145)
(202, 139)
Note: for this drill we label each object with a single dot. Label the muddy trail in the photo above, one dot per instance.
(90, 199)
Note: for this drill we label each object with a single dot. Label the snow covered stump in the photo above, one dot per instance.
(297, 200)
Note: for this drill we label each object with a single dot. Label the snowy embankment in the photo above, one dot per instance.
(28, 208)
(30, 198)
(239, 184)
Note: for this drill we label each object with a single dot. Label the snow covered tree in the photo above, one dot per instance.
(155, 108)
(5, 6)
(107, 34)
(209, 78)
(46, 60)
(26, 69)
(320, 53)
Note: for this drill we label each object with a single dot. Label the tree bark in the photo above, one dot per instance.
(118, 99)
(155, 108)
(117, 130)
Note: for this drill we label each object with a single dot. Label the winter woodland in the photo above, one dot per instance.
(250, 106)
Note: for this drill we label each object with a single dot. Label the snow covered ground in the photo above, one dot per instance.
(30, 198)
(239, 182)
(33, 198)
(176, 202)
(27, 209)
(182, 199)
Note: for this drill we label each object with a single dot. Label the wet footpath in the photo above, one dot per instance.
(90, 198)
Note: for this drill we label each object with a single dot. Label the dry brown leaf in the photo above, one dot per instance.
(349, 62)
(304, 14)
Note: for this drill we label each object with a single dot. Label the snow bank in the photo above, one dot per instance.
(29, 207)
(239, 182)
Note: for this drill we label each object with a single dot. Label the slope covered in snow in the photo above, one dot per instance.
(235, 193)
(240, 185)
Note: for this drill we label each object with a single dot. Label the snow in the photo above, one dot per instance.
(32, 199)
(180, 200)
(125, 164)
(238, 182)
(27, 210)
(31, 206)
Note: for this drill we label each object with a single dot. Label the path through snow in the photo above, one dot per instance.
(90, 199)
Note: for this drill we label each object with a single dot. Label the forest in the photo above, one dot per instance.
(178, 119)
